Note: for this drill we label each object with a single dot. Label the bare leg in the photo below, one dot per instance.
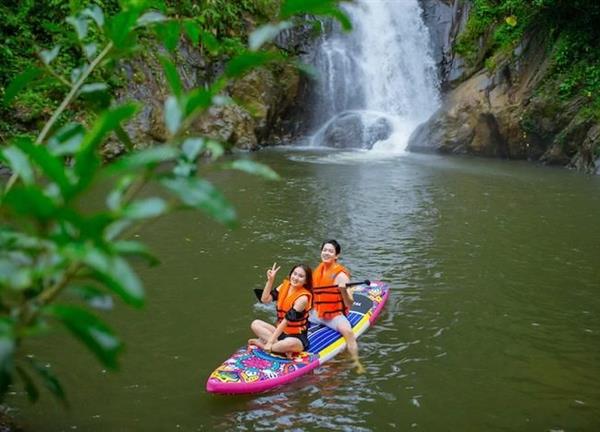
(262, 329)
(288, 345)
(348, 334)
(257, 342)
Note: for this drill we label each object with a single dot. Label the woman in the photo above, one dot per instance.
(294, 300)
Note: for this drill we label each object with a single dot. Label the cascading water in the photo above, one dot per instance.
(377, 82)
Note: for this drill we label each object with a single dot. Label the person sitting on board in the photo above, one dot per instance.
(294, 300)
(331, 305)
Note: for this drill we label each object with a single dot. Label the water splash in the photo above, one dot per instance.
(378, 82)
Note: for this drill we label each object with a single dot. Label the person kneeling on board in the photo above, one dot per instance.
(294, 300)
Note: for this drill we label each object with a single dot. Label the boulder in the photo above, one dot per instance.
(354, 129)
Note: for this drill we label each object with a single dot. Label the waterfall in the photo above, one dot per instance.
(376, 83)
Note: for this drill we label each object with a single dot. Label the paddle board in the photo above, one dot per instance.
(252, 370)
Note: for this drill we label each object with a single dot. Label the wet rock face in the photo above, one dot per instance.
(446, 19)
(353, 130)
(345, 131)
(378, 131)
(510, 112)
(229, 124)
(263, 95)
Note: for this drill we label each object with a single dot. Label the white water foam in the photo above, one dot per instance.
(383, 70)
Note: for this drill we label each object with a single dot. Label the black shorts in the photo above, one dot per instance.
(302, 336)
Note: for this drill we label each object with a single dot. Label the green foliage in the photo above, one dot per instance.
(572, 31)
(52, 248)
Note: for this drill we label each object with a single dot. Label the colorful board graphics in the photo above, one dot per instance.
(252, 370)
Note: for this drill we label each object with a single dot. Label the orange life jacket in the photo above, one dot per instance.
(328, 302)
(286, 302)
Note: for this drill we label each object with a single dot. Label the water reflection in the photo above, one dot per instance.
(492, 322)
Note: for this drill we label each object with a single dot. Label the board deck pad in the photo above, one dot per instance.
(252, 370)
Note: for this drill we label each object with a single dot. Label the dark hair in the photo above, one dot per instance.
(308, 284)
(334, 243)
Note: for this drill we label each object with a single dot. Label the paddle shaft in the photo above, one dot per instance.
(258, 292)
(349, 284)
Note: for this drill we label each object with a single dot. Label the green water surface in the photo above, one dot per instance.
(493, 323)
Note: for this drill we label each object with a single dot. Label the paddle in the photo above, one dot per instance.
(258, 291)
(349, 284)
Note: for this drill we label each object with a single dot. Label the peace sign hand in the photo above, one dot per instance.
(272, 272)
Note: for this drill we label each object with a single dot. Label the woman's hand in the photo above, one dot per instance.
(272, 272)
(268, 346)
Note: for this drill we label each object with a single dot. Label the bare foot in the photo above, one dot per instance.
(360, 369)
(256, 342)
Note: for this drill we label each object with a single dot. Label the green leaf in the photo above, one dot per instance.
(215, 148)
(192, 30)
(172, 76)
(81, 25)
(120, 26)
(90, 330)
(242, 63)
(20, 82)
(7, 352)
(90, 50)
(340, 16)
(150, 18)
(117, 228)
(96, 95)
(67, 140)
(124, 138)
(49, 55)
(134, 248)
(315, 7)
(294, 7)
(49, 164)
(32, 392)
(185, 169)
(210, 42)
(77, 72)
(116, 274)
(87, 161)
(197, 99)
(307, 69)
(93, 296)
(144, 158)
(18, 240)
(173, 114)
(19, 163)
(145, 209)
(93, 88)
(192, 147)
(94, 12)
(511, 20)
(15, 272)
(114, 198)
(252, 167)
(168, 34)
(50, 381)
(266, 33)
(29, 201)
(199, 193)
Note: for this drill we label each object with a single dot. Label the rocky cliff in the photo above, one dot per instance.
(261, 97)
(509, 109)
